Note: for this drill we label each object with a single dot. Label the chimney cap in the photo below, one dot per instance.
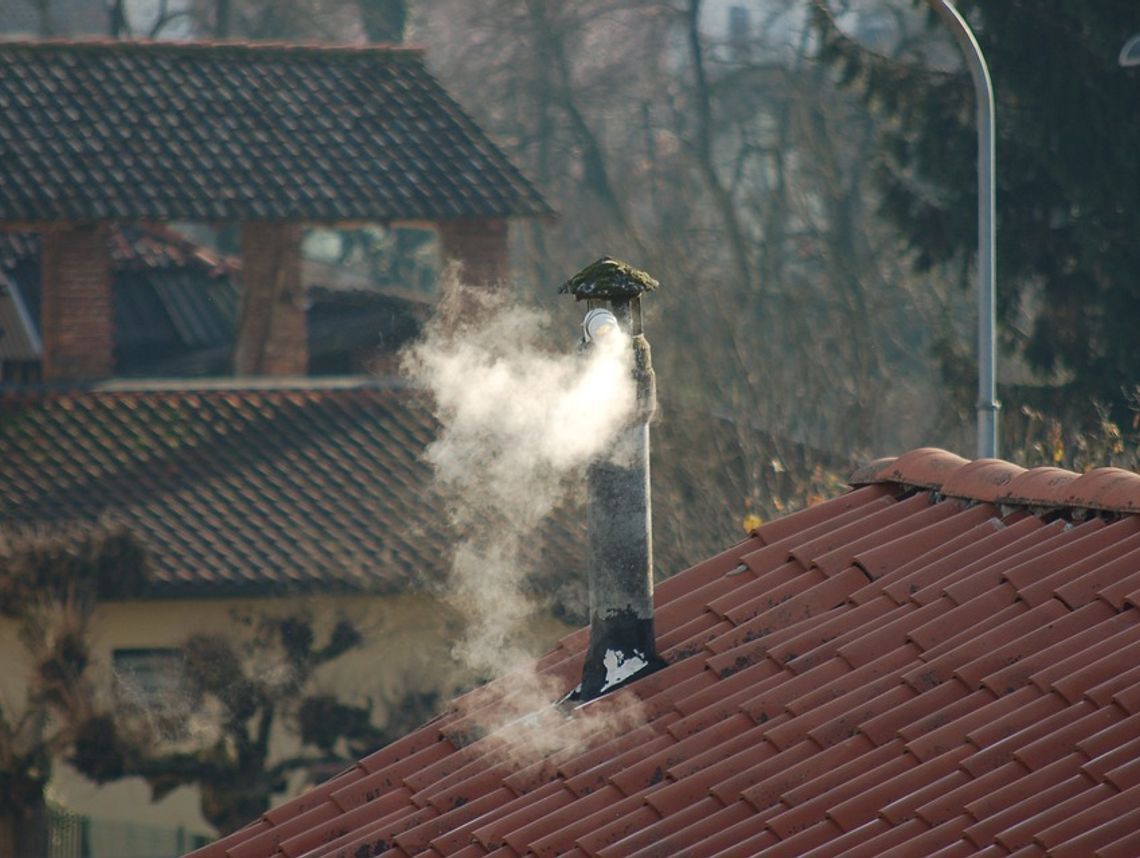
(608, 279)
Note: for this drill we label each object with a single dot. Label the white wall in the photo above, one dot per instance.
(407, 649)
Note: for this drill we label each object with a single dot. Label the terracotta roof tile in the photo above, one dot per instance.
(241, 132)
(704, 830)
(901, 581)
(1089, 842)
(919, 713)
(899, 841)
(1123, 847)
(945, 536)
(927, 467)
(1105, 488)
(983, 479)
(808, 803)
(909, 670)
(1106, 690)
(1065, 656)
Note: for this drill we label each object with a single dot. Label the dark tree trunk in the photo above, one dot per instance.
(223, 20)
(384, 21)
(23, 830)
(119, 25)
(47, 19)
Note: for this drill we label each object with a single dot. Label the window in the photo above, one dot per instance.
(148, 677)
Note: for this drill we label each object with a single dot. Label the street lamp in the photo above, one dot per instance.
(1130, 53)
(984, 92)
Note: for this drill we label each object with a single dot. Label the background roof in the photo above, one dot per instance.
(231, 131)
(235, 490)
(941, 662)
(244, 489)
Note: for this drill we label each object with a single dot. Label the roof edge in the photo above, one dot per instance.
(997, 481)
(213, 45)
(215, 383)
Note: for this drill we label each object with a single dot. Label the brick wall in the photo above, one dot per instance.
(272, 336)
(479, 246)
(77, 317)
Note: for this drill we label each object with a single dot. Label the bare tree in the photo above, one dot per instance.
(703, 146)
(49, 587)
(242, 691)
(46, 16)
(733, 167)
(790, 335)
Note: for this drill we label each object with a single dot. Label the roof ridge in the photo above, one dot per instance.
(1105, 489)
(281, 384)
(236, 45)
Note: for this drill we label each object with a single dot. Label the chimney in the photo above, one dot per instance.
(480, 248)
(619, 517)
(474, 252)
(272, 335)
(76, 316)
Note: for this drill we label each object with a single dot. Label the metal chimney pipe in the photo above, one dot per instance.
(619, 514)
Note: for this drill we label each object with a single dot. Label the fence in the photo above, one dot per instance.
(74, 836)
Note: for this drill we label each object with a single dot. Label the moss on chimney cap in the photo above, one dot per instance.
(608, 279)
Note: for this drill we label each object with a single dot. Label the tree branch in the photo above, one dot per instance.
(722, 198)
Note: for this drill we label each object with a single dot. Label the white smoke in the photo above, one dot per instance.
(521, 415)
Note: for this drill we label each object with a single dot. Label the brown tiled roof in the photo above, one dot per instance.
(235, 490)
(944, 661)
(231, 131)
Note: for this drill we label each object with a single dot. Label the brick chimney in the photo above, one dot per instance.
(76, 314)
(479, 246)
(272, 333)
(623, 643)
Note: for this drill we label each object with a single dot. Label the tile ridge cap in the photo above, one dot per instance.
(1103, 489)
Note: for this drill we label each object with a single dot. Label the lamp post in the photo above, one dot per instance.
(1130, 53)
(988, 405)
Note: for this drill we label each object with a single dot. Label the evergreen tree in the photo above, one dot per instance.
(1068, 176)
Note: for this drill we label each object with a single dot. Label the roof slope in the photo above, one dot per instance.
(943, 661)
(229, 131)
(234, 490)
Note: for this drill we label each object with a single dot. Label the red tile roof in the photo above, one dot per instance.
(229, 131)
(941, 662)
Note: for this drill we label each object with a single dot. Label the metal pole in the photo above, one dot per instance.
(987, 388)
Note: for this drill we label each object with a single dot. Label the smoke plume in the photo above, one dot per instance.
(521, 415)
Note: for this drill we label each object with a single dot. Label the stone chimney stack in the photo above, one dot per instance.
(619, 515)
